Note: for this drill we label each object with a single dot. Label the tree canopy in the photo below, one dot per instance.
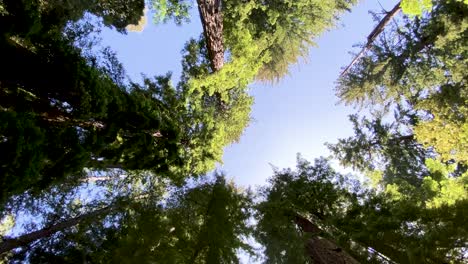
(95, 167)
(280, 31)
(146, 228)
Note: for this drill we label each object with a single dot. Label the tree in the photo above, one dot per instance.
(78, 112)
(51, 96)
(295, 216)
(287, 29)
(413, 224)
(79, 118)
(317, 215)
(36, 18)
(178, 230)
(417, 172)
(419, 68)
(283, 31)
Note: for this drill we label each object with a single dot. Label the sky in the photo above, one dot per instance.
(297, 115)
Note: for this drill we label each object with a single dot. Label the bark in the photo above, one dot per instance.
(24, 240)
(374, 34)
(319, 249)
(212, 22)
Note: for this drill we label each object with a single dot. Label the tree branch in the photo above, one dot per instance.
(374, 34)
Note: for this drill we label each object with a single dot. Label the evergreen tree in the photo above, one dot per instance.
(205, 223)
(317, 215)
(296, 215)
(281, 31)
(419, 68)
(415, 160)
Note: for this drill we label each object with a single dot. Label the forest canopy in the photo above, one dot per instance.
(98, 168)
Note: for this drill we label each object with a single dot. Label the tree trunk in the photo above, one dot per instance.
(212, 21)
(374, 34)
(24, 240)
(319, 249)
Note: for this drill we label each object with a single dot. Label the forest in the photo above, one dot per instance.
(97, 167)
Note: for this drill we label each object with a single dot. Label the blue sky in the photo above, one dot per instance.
(299, 114)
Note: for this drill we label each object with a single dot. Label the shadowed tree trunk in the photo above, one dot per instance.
(319, 249)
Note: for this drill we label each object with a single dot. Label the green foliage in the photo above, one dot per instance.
(264, 37)
(313, 191)
(417, 160)
(217, 108)
(81, 106)
(6, 224)
(166, 10)
(395, 222)
(420, 67)
(415, 7)
(419, 7)
(62, 112)
(377, 146)
(284, 30)
(203, 223)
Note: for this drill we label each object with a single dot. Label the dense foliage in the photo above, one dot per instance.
(277, 32)
(145, 226)
(97, 168)
(411, 148)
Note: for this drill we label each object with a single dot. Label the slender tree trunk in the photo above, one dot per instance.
(60, 118)
(322, 250)
(212, 21)
(24, 240)
(374, 34)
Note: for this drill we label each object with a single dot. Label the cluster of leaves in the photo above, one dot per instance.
(419, 7)
(312, 191)
(47, 90)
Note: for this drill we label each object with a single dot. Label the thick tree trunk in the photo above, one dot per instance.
(374, 34)
(212, 21)
(322, 250)
(24, 240)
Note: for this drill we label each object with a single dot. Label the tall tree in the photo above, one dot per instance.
(416, 159)
(79, 118)
(294, 219)
(52, 97)
(316, 215)
(419, 68)
(204, 223)
(78, 113)
(283, 31)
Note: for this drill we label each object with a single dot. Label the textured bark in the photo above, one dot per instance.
(374, 34)
(212, 21)
(24, 240)
(322, 250)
